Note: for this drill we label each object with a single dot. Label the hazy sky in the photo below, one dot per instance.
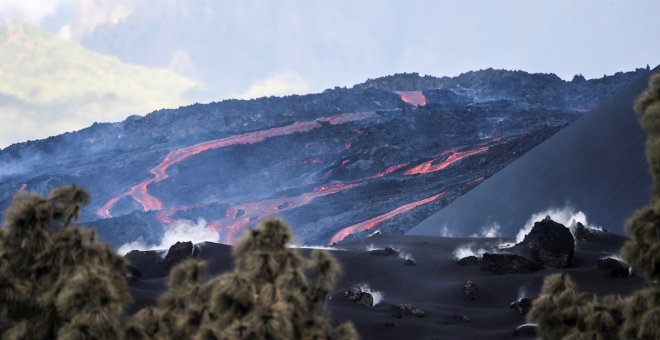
(248, 48)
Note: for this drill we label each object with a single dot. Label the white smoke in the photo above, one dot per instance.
(469, 250)
(377, 295)
(182, 231)
(522, 292)
(489, 231)
(316, 247)
(406, 256)
(567, 216)
(445, 232)
(371, 247)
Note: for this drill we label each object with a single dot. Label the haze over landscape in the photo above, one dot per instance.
(330, 170)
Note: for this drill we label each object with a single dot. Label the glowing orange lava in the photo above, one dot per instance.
(428, 166)
(371, 223)
(140, 192)
(412, 97)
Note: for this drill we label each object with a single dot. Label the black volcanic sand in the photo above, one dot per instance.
(434, 284)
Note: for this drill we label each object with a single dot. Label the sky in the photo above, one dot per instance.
(248, 49)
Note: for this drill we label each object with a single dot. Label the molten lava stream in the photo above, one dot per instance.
(140, 191)
(428, 166)
(371, 223)
(412, 97)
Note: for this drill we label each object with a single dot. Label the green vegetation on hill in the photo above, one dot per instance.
(48, 79)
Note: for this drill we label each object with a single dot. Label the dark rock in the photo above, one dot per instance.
(522, 305)
(456, 318)
(397, 315)
(583, 233)
(355, 294)
(387, 251)
(390, 324)
(177, 253)
(404, 307)
(509, 264)
(471, 290)
(525, 330)
(410, 262)
(132, 274)
(550, 243)
(365, 299)
(614, 267)
(468, 261)
(418, 312)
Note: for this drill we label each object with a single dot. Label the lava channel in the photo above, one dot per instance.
(416, 98)
(372, 223)
(140, 192)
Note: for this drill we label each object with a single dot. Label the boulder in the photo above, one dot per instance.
(613, 267)
(468, 261)
(583, 233)
(177, 253)
(521, 305)
(387, 251)
(355, 294)
(509, 264)
(471, 290)
(550, 243)
(410, 262)
(390, 324)
(418, 312)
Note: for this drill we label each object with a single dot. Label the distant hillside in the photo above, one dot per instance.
(596, 165)
(336, 165)
(56, 86)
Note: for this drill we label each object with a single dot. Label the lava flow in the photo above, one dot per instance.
(412, 97)
(371, 223)
(239, 216)
(140, 192)
(428, 166)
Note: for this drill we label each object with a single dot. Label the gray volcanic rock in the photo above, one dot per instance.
(471, 290)
(522, 305)
(355, 294)
(177, 253)
(614, 267)
(550, 243)
(387, 251)
(509, 264)
(468, 261)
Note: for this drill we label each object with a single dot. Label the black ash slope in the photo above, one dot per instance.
(595, 165)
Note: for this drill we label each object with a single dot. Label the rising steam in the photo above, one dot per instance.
(377, 295)
(567, 216)
(182, 231)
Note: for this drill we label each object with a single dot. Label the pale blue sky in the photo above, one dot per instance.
(244, 48)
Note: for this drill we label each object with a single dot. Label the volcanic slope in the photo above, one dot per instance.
(595, 165)
(384, 154)
(424, 274)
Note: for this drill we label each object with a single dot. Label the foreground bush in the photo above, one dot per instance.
(563, 313)
(57, 281)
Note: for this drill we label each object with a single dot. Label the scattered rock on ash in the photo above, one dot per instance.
(357, 295)
(521, 305)
(525, 330)
(456, 318)
(132, 274)
(583, 233)
(550, 243)
(177, 253)
(468, 261)
(614, 267)
(418, 312)
(509, 264)
(471, 290)
(406, 308)
(387, 251)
